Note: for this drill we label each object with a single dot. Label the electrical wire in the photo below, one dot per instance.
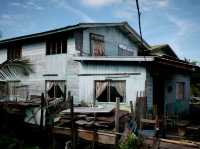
(140, 28)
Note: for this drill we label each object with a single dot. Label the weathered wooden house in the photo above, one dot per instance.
(99, 62)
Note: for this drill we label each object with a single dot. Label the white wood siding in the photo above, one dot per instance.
(134, 82)
(3, 55)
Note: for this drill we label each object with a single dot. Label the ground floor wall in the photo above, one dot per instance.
(134, 77)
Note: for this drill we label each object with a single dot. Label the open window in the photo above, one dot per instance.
(109, 90)
(97, 45)
(180, 90)
(123, 50)
(14, 52)
(3, 90)
(57, 46)
(55, 88)
(13, 90)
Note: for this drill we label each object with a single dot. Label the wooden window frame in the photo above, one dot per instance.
(108, 95)
(52, 46)
(14, 52)
(125, 51)
(64, 81)
(91, 38)
(14, 87)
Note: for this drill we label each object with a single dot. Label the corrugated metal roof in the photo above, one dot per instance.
(163, 49)
(124, 26)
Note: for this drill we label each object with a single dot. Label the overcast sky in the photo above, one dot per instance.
(176, 22)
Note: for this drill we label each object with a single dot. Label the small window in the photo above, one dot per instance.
(3, 90)
(97, 45)
(56, 47)
(123, 50)
(108, 91)
(180, 90)
(13, 90)
(55, 88)
(14, 52)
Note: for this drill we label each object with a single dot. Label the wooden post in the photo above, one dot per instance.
(73, 135)
(65, 94)
(69, 96)
(156, 141)
(132, 112)
(42, 110)
(117, 118)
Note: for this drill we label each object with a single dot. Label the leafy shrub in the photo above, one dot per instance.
(132, 142)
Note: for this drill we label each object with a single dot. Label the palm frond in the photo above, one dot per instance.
(12, 68)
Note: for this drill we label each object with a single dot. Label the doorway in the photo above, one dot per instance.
(158, 95)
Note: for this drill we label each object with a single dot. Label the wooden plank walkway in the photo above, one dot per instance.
(173, 144)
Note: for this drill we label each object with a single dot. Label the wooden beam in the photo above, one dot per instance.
(174, 144)
(111, 74)
(148, 121)
(132, 111)
(100, 136)
(117, 115)
(73, 132)
(117, 119)
(42, 110)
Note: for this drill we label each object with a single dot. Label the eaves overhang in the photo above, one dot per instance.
(114, 59)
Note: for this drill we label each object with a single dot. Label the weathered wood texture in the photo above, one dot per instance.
(85, 110)
(173, 144)
(101, 136)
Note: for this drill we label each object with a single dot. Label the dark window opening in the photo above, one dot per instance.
(55, 89)
(78, 36)
(14, 52)
(56, 47)
(108, 91)
(3, 90)
(97, 45)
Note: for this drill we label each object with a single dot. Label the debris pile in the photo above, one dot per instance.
(92, 117)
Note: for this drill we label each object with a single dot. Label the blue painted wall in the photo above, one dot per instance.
(172, 105)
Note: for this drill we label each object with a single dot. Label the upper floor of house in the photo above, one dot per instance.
(83, 39)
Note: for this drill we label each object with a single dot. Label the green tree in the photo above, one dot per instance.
(195, 80)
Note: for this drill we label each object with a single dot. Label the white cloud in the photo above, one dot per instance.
(148, 5)
(7, 19)
(184, 28)
(30, 4)
(63, 4)
(36, 4)
(128, 8)
(15, 4)
(99, 3)
(144, 3)
(124, 14)
(13, 19)
(5, 16)
(17, 24)
(163, 3)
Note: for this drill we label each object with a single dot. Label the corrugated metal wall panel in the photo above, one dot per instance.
(112, 38)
